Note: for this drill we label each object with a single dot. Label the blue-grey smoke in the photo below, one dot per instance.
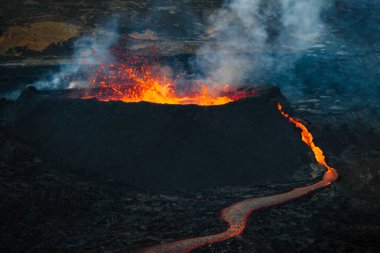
(89, 50)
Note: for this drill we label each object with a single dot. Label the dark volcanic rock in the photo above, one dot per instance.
(43, 210)
(165, 146)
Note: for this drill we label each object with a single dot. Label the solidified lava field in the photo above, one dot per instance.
(82, 175)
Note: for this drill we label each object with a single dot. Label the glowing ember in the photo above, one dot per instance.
(147, 83)
(237, 214)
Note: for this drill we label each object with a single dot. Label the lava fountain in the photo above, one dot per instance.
(150, 83)
(237, 214)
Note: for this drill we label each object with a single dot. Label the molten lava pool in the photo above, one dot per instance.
(151, 84)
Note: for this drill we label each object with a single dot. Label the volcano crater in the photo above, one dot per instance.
(159, 146)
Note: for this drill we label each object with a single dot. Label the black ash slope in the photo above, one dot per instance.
(164, 146)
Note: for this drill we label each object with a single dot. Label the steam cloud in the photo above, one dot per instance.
(89, 50)
(259, 42)
(247, 37)
(251, 36)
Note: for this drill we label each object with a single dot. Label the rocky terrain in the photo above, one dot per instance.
(333, 88)
(49, 28)
(46, 209)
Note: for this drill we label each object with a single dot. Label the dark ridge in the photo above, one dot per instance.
(154, 146)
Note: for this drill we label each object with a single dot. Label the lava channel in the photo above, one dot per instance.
(237, 214)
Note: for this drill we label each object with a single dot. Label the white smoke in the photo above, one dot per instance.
(248, 36)
(90, 50)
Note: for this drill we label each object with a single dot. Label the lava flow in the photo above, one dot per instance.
(148, 83)
(237, 214)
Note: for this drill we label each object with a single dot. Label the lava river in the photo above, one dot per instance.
(237, 214)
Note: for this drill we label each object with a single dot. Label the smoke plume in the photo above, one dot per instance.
(90, 50)
(249, 37)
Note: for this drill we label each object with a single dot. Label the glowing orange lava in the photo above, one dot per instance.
(307, 137)
(149, 84)
(237, 214)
